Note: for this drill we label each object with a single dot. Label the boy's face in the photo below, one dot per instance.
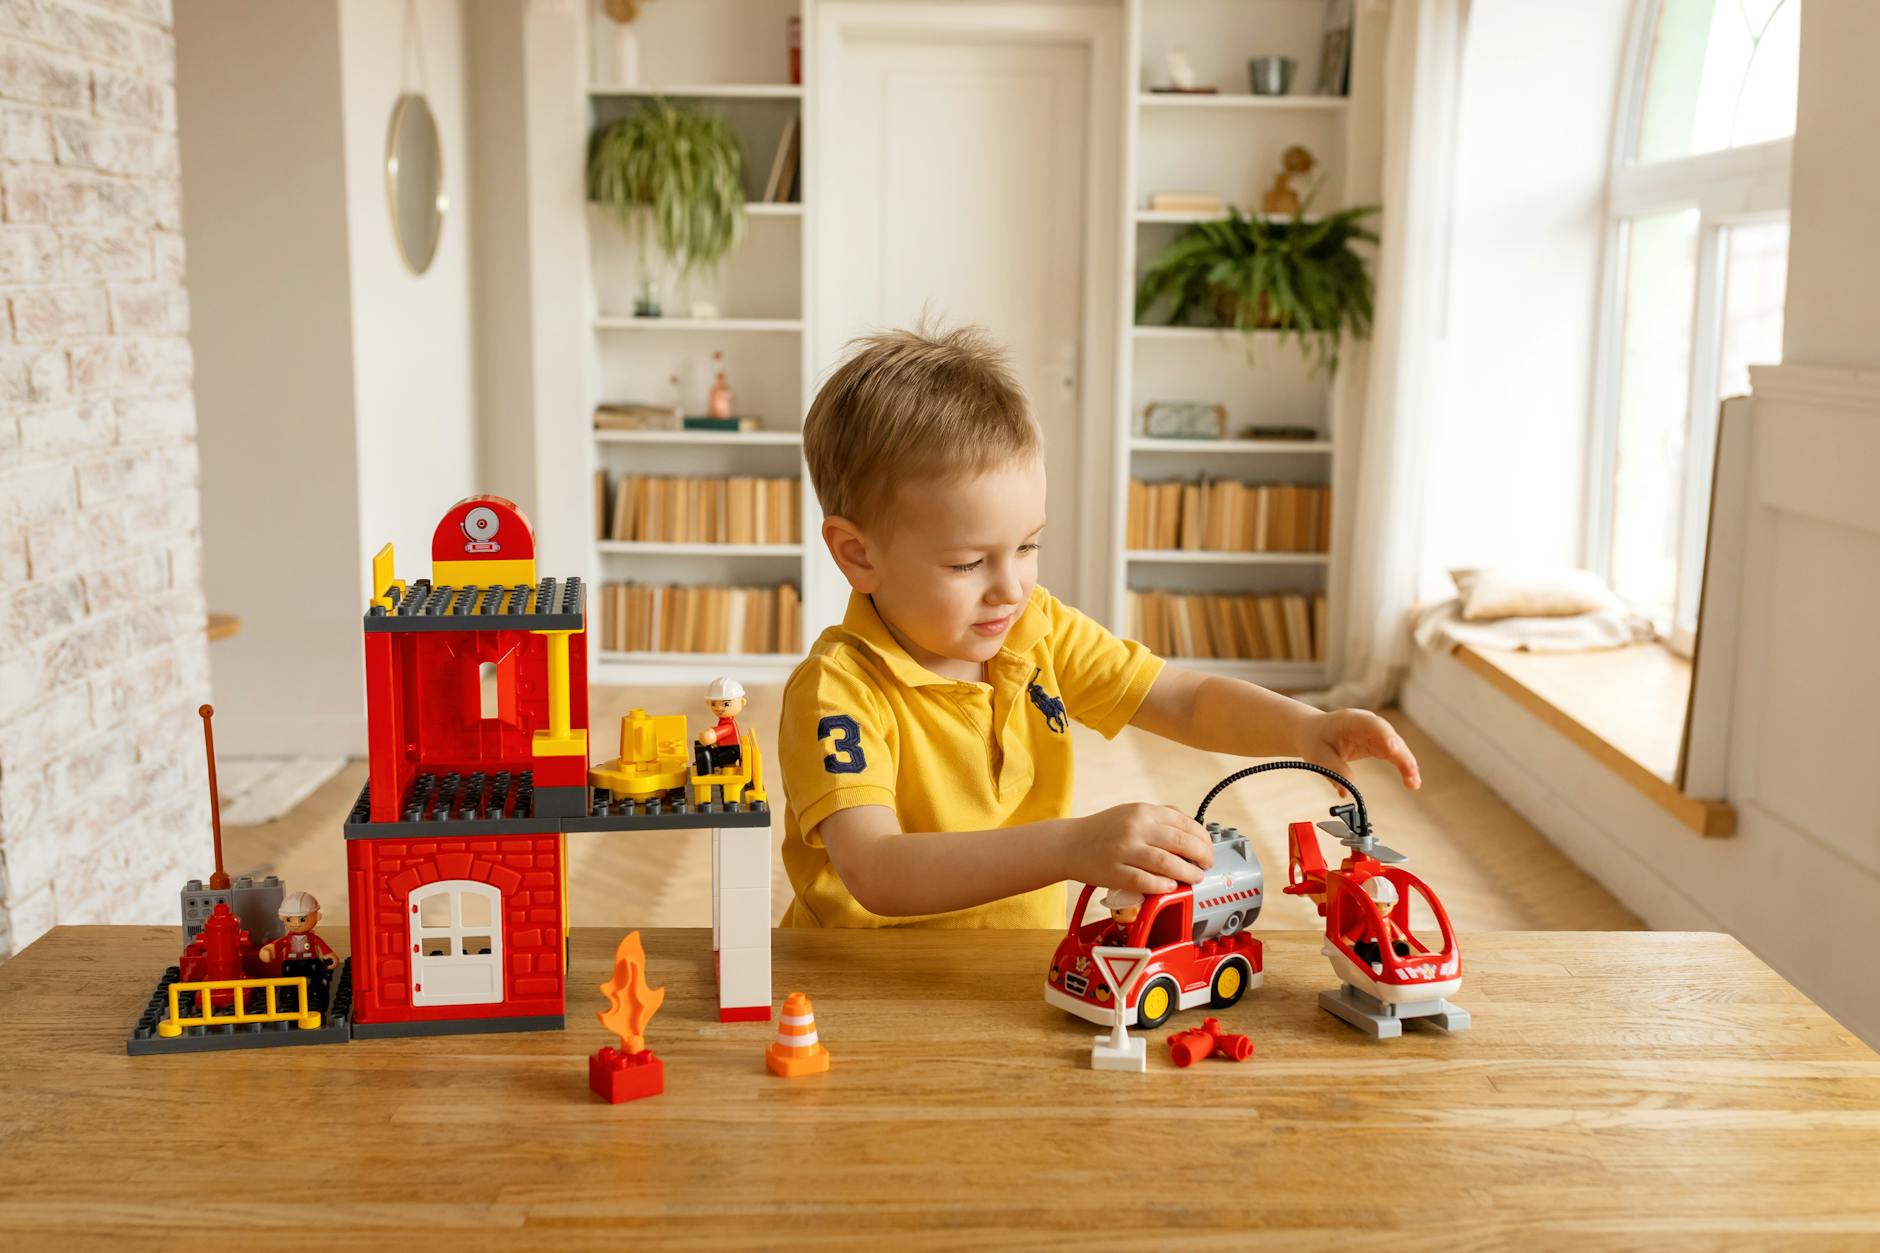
(955, 568)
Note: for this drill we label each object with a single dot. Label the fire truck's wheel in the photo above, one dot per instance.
(1159, 1000)
(1230, 984)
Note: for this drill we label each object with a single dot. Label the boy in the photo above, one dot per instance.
(925, 754)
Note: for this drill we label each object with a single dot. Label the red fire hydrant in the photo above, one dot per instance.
(1185, 1048)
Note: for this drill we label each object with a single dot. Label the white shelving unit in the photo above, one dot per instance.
(1236, 100)
(1228, 144)
(730, 56)
(701, 91)
(776, 326)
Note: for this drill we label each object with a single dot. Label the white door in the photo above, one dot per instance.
(456, 943)
(955, 182)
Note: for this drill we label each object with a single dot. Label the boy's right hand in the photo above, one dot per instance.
(1141, 847)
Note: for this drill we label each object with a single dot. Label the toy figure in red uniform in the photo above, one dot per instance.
(720, 747)
(1125, 907)
(1384, 892)
(300, 951)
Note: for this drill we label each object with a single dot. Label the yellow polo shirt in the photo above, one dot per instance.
(865, 724)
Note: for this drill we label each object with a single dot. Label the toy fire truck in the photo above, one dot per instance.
(1200, 952)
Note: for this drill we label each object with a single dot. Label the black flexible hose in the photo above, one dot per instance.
(1364, 822)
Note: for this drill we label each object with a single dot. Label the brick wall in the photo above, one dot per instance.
(102, 657)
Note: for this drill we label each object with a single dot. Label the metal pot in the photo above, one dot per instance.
(1271, 76)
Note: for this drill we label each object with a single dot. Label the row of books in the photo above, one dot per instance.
(1224, 515)
(645, 617)
(667, 509)
(1279, 626)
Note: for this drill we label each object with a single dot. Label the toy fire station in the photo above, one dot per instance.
(479, 771)
(478, 759)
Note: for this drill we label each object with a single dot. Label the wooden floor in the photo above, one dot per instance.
(1493, 871)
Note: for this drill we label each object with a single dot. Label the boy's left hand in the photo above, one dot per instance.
(1336, 739)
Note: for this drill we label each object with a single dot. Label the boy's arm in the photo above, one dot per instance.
(1228, 715)
(900, 874)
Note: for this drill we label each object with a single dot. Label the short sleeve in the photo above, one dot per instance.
(1102, 679)
(837, 740)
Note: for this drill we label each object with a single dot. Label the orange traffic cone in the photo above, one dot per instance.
(796, 1052)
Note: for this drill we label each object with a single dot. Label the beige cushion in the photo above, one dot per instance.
(1491, 594)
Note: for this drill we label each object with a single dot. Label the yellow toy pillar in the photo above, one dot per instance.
(561, 739)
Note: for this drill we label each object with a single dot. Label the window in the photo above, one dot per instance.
(1697, 254)
(1167, 927)
(1721, 75)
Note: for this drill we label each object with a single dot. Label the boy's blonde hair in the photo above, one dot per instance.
(907, 404)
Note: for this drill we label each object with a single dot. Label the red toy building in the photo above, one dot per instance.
(477, 742)
(476, 703)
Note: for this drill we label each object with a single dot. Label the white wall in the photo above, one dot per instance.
(499, 243)
(413, 373)
(264, 171)
(1540, 86)
(1799, 882)
(103, 808)
(1833, 306)
(335, 388)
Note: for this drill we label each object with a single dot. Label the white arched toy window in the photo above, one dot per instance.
(1697, 261)
(456, 943)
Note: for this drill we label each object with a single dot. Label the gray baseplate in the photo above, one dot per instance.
(457, 1026)
(550, 605)
(503, 803)
(1384, 1020)
(335, 1025)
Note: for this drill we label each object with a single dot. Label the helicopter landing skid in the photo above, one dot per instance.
(1385, 1021)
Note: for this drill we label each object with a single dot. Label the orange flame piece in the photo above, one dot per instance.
(630, 1003)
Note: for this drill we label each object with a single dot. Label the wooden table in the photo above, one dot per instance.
(1617, 1090)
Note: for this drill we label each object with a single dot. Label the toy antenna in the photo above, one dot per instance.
(219, 880)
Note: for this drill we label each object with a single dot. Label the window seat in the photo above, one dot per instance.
(1624, 707)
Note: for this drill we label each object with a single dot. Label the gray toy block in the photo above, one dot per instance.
(257, 906)
(198, 903)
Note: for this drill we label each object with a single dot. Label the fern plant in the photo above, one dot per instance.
(1302, 278)
(677, 170)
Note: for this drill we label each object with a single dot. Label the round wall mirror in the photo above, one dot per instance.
(414, 181)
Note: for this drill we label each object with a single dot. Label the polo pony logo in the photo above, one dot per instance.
(1050, 706)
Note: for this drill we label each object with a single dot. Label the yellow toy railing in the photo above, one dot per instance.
(173, 1026)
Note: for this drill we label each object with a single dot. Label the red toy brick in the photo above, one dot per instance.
(621, 1076)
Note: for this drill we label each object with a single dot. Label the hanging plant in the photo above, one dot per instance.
(1302, 278)
(677, 170)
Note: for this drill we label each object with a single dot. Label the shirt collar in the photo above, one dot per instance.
(864, 622)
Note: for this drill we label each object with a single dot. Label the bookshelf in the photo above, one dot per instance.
(730, 56)
(1229, 144)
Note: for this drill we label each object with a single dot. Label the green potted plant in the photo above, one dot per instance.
(1301, 277)
(678, 172)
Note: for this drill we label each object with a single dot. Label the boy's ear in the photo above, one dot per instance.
(850, 549)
